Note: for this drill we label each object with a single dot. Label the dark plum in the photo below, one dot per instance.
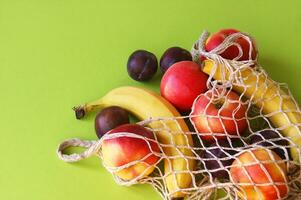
(142, 65)
(110, 118)
(173, 55)
(217, 157)
(269, 138)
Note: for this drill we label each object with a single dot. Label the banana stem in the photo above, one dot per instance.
(82, 110)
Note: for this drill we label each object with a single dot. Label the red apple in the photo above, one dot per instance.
(232, 51)
(182, 83)
(262, 167)
(122, 150)
(223, 116)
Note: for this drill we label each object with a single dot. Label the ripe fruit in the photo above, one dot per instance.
(173, 55)
(142, 65)
(217, 118)
(269, 138)
(281, 109)
(110, 118)
(122, 150)
(182, 83)
(232, 51)
(263, 167)
(144, 103)
(217, 158)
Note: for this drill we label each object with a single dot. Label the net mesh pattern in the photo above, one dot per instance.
(223, 163)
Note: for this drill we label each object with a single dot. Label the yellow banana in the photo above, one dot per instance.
(275, 103)
(146, 104)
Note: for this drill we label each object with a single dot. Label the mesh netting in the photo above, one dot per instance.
(256, 158)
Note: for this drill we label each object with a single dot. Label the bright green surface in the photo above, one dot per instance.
(56, 54)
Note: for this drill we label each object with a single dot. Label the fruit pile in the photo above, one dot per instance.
(220, 124)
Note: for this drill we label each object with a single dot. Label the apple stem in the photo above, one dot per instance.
(218, 105)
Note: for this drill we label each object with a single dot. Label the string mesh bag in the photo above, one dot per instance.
(249, 152)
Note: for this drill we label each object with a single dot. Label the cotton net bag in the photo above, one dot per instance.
(262, 162)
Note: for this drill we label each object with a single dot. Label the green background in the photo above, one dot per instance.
(56, 54)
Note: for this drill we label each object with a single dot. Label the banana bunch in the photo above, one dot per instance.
(278, 106)
(145, 104)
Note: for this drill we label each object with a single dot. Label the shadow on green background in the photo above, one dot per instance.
(57, 54)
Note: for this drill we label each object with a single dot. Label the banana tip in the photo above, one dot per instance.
(79, 112)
